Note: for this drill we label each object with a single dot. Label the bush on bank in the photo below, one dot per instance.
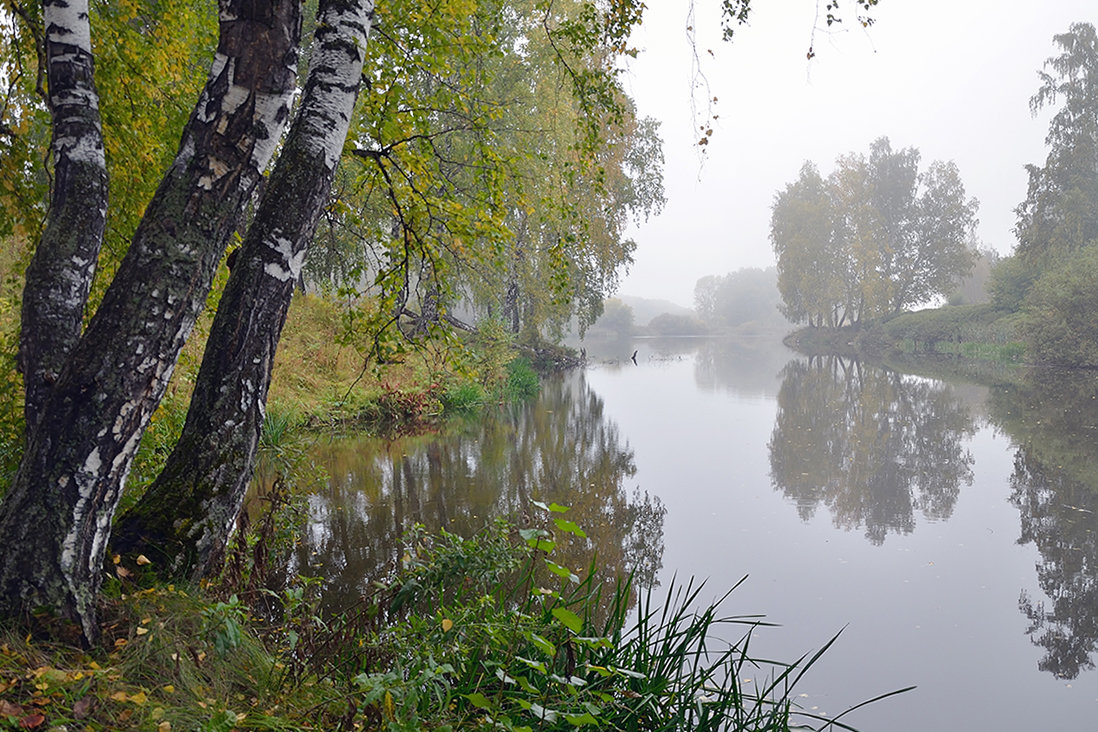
(972, 331)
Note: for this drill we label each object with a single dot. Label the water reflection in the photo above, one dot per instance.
(745, 366)
(1053, 420)
(559, 447)
(870, 444)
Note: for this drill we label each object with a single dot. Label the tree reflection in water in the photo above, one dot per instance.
(1052, 418)
(872, 445)
(559, 447)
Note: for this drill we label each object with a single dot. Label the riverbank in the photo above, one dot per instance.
(465, 636)
(324, 381)
(971, 332)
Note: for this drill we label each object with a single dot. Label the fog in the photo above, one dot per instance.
(951, 79)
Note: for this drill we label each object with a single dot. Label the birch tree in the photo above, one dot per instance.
(876, 237)
(185, 517)
(55, 519)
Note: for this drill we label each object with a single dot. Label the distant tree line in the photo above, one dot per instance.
(745, 297)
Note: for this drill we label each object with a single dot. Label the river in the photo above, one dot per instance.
(948, 529)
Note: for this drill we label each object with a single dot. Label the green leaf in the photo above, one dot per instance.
(536, 665)
(570, 526)
(578, 720)
(543, 645)
(629, 673)
(592, 642)
(562, 571)
(478, 700)
(543, 545)
(543, 713)
(568, 619)
(517, 679)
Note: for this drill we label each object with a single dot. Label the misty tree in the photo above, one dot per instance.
(810, 270)
(976, 287)
(876, 237)
(748, 295)
(1057, 227)
(617, 318)
(1060, 212)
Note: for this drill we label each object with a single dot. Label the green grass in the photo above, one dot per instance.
(469, 634)
(522, 382)
(465, 396)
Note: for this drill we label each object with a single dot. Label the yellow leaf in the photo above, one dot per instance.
(142, 631)
(164, 726)
(169, 688)
(447, 624)
(142, 559)
(120, 696)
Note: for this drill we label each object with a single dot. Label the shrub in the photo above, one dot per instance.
(1059, 326)
(672, 325)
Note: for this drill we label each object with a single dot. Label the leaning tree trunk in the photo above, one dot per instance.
(185, 518)
(59, 276)
(56, 517)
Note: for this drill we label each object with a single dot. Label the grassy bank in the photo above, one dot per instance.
(324, 382)
(469, 634)
(974, 332)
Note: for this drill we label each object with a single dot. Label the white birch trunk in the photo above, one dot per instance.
(185, 518)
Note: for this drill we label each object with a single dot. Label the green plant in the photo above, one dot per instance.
(463, 397)
(485, 632)
(279, 425)
(11, 394)
(484, 639)
(224, 623)
(491, 352)
(522, 382)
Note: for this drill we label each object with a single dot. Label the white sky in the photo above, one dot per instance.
(950, 78)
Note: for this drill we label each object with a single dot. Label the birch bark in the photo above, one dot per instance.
(59, 276)
(185, 518)
(56, 518)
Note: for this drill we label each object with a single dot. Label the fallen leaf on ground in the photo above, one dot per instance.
(31, 721)
(83, 707)
(7, 709)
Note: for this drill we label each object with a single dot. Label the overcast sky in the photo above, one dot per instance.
(950, 78)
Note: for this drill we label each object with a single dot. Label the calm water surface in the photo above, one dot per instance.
(949, 530)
